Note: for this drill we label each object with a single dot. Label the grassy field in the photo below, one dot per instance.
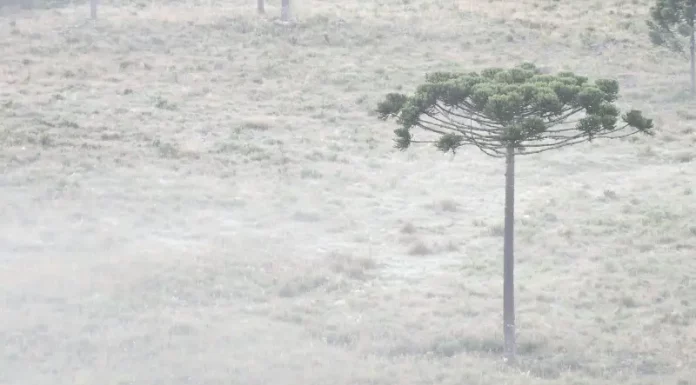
(193, 194)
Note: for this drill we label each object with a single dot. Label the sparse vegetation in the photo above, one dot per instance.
(146, 245)
(420, 248)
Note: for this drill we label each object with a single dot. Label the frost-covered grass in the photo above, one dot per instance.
(193, 194)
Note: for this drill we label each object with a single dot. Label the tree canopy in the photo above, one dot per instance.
(671, 23)
(520, 107)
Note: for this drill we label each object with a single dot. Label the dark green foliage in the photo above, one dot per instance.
(671, 23)
(519, 106)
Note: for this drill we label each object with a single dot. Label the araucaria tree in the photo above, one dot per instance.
(671, 25)
(505, 113)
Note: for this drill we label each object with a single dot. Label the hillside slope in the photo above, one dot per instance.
(193, 194)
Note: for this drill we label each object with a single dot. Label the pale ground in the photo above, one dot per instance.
(192, 194)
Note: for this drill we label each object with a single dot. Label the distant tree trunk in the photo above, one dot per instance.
(509, 258)
(285, 10)
(260, 7)
(693, 60)
(93, 9)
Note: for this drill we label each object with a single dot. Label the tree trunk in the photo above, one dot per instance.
(693, 59)
(509, 258)
(285, 10)
(93, 9)
(260, 8)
